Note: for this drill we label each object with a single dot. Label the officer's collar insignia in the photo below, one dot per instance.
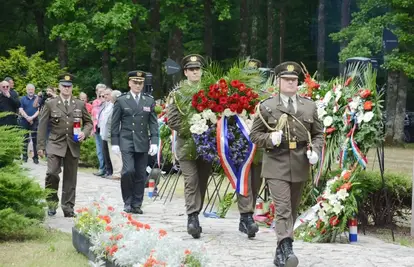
(193, 59)
(59, 102)
(67, 78)
(290, 67)
(128, 96)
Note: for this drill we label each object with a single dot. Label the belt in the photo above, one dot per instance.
(300, 144)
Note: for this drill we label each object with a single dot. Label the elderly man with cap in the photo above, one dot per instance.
(134, 123)
(64, 143)
(289, 130)
(196, 172)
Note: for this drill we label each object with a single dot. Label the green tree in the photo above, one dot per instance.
(364, 39)
(29, 69)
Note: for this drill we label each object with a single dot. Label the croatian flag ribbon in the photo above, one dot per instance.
(173, 145)
(239, 177)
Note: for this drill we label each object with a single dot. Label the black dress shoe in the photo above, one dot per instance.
(136, 210)
(69, 214)
(51, 212)
(279, 260)
(193, 226)
(287, 249)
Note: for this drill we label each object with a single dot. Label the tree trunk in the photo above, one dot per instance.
(62, 52)
(244, 27)
(396, 99)
(345, 21)
(282, 28)
(254, 26)
(132, 43)
(175, 51)
(106, 69)
(155, 64)
(208, 29)
(40, 23)
(270, 31)
(321, 39)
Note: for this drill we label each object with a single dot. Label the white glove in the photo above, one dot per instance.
(276, 137)
(312, 156)
(116, 149)
(153, 150)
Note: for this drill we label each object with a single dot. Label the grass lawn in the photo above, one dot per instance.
(55, 249)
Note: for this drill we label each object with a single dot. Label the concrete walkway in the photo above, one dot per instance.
(222, 239)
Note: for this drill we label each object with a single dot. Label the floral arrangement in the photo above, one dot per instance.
(335, 206)
(120, 238)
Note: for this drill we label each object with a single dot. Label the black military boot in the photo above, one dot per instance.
(279, 260)
(247, 225)
(290, 258)
(193, 226)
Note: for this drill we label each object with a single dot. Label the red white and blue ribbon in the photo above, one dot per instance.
(361, 158)
(160, 144)
(173, 145)
(238, 177)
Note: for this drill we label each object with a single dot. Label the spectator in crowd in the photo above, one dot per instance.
(116, 158)
(29, 110)
(102, 124)
(13, 92)
(84, 98)
(96, 109)
(9, 102)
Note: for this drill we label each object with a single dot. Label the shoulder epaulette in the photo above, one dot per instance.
(270, 97)
(146, 94)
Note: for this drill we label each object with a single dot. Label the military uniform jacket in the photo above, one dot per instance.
(134, 125)
(61, 126)
(282, 162)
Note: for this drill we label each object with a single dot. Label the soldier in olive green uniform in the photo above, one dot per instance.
(196, 172)
(247, 204)
(134, 134)
(60, 113)
(289, 153)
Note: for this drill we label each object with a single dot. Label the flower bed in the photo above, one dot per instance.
(117, 238)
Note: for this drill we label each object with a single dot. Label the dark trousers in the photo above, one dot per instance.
(247, 204)
(107, 158)
(70, 170)
(32, 135)
(133, 178)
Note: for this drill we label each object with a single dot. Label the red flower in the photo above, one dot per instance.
(243, 99)
(223, 83)
(212, 94)
(235, 83)
(110, 208)
(187, 252)
(162, 232)
(106, 218)
(255, 95)
(347, 175)
(365, 93)
(334, 221)
(239, 109)
(242, 87)
(368, 105)
(319, 224)
(330, 130)
(233, 107)
(119, 236)
(201, 108)
(218, 108)
(323, 231)
(108, 228)
(223, 100)
(211, 104)
(348, 81)
(113, 249)
(346, 186)
(147, 226)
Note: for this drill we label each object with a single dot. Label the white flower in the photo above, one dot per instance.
(244, 113)
(195, 119)
(360, 116)
(327, 97)
(198, 128)
(342, 194)
(335, 109)
(249, 124)
(327, 121)
(321, 112)
(322, 216)
(368, 116)
(338, 95)
(317, 96)
(337, 208)
(227, 112)
(353, 105)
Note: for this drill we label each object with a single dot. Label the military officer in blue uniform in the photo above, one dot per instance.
(134, 123)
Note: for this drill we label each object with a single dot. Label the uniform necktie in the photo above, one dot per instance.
(291, 108)
(137, 98)
(66, 105)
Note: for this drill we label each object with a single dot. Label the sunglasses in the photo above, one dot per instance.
(102, 96)
(5, 87)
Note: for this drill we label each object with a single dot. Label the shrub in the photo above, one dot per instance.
(373, 204)
(88, 156)
(20, 193)
(14, 226)
(11, 143)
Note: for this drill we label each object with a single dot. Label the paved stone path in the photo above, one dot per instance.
(228, 247)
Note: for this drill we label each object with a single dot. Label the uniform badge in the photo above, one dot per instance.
(290, 67)
(193, 59)
(252, 64)
(67, 78)
(147, 109)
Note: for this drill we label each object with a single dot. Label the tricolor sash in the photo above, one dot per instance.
(238, 177)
